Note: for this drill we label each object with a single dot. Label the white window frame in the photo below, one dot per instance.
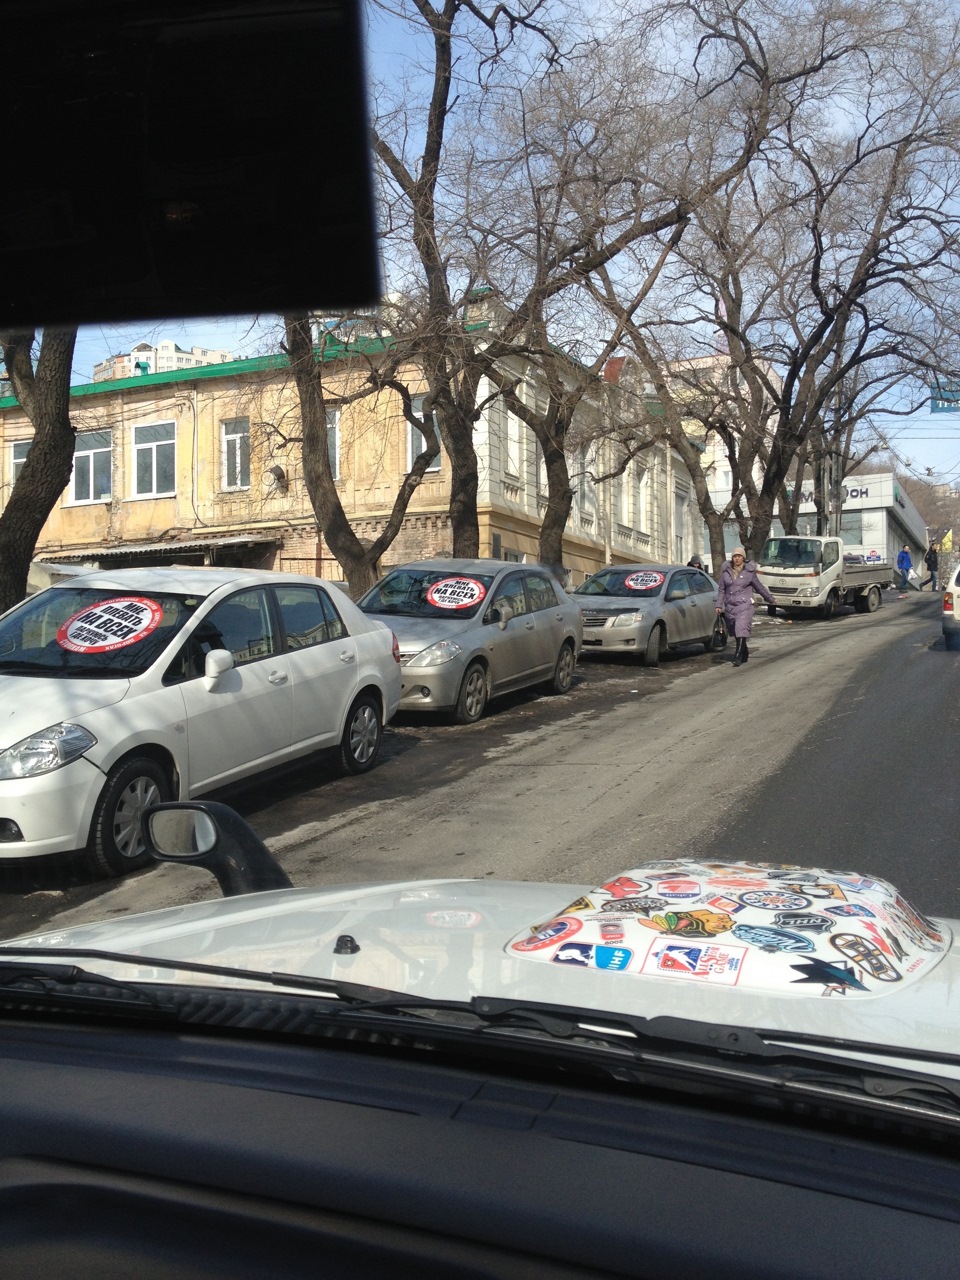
(640, 493)
(333, 437)
(414, 448)
(151, 446)
(16, 464)
(91, 452)
(513, 446)
(231, 454)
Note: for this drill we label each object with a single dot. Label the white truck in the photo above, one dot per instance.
(815, 576)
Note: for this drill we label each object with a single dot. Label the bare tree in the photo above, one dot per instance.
(43, 392)
(540, 161)
(819, 284)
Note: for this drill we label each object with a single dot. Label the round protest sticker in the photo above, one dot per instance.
(456, 593)
(110, 624)
(643, 581)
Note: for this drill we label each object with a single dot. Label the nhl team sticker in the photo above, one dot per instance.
(110, 624)
(456, 593)
(643, 581)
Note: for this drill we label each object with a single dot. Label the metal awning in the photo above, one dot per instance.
(148, 548)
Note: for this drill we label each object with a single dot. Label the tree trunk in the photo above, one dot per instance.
(559, 502)
(44, 395)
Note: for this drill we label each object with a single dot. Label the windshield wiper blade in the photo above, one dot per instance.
(68, 985)
(349, 992)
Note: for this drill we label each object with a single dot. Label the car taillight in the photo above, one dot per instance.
(396, 648)
(948, 602)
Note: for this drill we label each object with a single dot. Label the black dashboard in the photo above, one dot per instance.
(143, 1153)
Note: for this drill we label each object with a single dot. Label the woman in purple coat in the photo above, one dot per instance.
(738, 582)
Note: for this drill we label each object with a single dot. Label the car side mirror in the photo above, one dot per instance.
(215, 664)
(213, 836)
(675, 595)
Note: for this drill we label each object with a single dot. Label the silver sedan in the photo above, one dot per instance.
(471, 629)
(646, 609)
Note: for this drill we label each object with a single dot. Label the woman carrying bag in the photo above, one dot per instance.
(738, 582)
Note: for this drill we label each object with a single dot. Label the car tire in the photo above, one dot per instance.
(562, 677)
(656, 647)
(871, 600)
(829, 607)
(116, 846)
(951, 641)
(362, 734)
(472, 699)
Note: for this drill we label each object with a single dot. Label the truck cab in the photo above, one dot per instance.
(810, 575)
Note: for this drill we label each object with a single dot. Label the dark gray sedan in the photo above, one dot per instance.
(471, 629)
(646, 609)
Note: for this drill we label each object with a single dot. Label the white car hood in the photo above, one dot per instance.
(816, 952)
(31, 703)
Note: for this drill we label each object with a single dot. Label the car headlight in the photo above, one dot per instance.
(808, 591)
(627, 619)
(435, 654)
(45, 751)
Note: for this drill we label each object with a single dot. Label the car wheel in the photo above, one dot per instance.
(655, 647)
(829, 607)
(871, 601)
(951, 641)
(562, 677)
(473, 695)
(362, 733)
(116, 844)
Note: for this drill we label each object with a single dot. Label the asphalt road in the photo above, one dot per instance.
(833, 746)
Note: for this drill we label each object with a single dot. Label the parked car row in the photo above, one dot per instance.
(124, 689)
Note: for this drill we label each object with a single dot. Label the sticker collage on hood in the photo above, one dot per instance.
(753, 925)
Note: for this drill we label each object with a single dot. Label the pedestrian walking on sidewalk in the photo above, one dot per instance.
(932, 561)
(904, 564)
(738, 582)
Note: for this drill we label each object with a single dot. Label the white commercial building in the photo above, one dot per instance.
(876, 519)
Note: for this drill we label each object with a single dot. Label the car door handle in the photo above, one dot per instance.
(277, 677)
(346, 657)
(530, 625)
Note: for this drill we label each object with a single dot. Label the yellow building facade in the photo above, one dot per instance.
(205, 468)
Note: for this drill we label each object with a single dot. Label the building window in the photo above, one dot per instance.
(415, 440)
(235, 453)
(579, 478)
(639, 496)
(20, 450)
(333, 442)
(155, 460)
(92, 456)
(851, 527)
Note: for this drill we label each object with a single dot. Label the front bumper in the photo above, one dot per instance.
(610, 639)
(431, 688)
(53, 811)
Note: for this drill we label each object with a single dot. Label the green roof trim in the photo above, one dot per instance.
(231, 369)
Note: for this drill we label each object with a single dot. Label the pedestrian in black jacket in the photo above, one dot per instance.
(932, 561)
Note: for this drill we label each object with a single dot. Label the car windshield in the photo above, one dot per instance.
(634, 274)
(91, 631)
(429, 593)
(640, 583)
(792, 553)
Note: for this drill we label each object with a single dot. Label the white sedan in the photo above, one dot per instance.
(122, 689)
